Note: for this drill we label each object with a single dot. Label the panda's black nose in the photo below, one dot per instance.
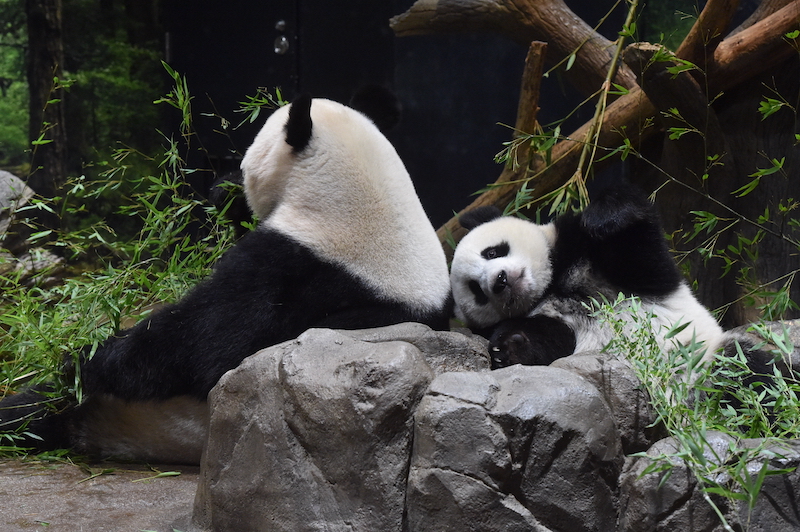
(500, 282)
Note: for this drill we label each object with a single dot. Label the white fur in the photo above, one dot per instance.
(678, 308)
(346, 192)
(527, 266)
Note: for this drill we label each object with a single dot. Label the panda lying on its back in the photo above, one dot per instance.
(343, 242)
(524, 285)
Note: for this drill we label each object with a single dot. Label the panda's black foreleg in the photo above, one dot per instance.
(533, 341)
(626, 244)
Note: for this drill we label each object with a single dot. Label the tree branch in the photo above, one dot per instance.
(522, 21)
(736, 59)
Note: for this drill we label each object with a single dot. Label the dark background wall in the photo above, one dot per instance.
(456, 90)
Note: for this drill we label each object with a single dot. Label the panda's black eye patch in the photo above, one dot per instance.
(480, 297)
(495, 252)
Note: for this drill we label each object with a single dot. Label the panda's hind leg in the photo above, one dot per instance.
(36, 418)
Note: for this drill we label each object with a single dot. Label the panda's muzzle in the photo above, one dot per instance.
(500, 282)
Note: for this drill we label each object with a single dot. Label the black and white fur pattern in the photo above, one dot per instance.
(342, 242)
(526, 286)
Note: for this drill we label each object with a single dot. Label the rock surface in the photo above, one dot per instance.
(328, 420)
(14, 193)
(37, 265)
(655, 502)
(538, 443)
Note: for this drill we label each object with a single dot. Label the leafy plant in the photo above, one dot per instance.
(691, 398)
(177, 238)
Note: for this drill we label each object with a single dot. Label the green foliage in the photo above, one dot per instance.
(177, 238)
(691, 398)
(667, 22)
(115, 63)
(13, 85)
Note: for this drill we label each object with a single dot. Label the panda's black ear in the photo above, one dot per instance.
(379, 104)
(298, 127)
(480, 215)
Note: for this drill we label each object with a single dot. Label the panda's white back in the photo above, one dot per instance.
(348, 197)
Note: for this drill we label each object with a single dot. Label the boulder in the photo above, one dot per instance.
(671, 499)
(522, 448)
(405, 429)
(14, 193)
(630, 406)
(315, 433)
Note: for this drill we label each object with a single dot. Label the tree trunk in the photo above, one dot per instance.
(46, 127)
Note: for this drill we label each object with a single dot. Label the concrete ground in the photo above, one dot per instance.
(61, 497)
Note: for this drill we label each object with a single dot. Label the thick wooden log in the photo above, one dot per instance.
(522, 21)
(707, 32)
(764, 9)
(756, 49)
(528, 107)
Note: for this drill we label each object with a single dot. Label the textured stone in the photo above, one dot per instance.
(656, 502)
(629, 403)
(536, 443)
(14, 193)
(443, 350)
(313, 434)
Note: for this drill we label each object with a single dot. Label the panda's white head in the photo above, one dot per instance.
(500, 269)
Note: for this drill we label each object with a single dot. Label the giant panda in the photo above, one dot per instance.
(529, 287)
(342, 242)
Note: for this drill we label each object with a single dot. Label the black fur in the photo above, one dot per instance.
(298, 127)
(275, 287)
(534, 341)
(32, 411)
(480, 215)
(619, 242)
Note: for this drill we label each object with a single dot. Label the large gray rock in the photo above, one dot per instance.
(630, 406)
(443, 350)
(315, 434)
(14, 193)
(673, 500)
(404, 429)
(523, 448)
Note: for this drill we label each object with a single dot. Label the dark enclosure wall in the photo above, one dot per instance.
(459, 92)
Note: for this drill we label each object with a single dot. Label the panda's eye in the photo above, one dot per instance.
(494, 252)
(480, 297)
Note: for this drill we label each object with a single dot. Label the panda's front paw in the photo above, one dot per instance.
(509, 345)
(534, 341)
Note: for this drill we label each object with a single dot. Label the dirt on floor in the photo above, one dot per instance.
(63, 497)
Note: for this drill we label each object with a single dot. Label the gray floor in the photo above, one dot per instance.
(62, 497)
